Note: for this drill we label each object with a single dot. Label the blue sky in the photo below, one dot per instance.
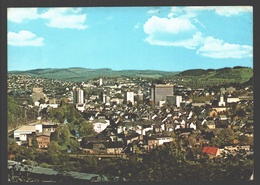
(141, 38)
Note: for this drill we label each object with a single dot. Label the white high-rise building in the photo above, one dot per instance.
(178, 100)
(100, 81)
(130, 97)
(80, 96)
(104, 98)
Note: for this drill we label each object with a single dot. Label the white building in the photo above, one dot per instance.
(104, 98)
(130, 96)
(178, 101)
(161, 103)
(192, 125)
(221, 102)
(100, 81)
(21, 133)
(80, 96)
(81, 107)
(164, 140)
(232, 100)
(100, 126)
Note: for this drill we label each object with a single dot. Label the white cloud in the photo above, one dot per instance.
(18, 15)
(179, 29)
(216, 48)
(187, 12)
(232, 10)
(65, 18)
(189, 43)
(198, 22)
(192, 11)
(56, 17)
(24, 38)
(172, 32)
(153, 11)
(171, 25)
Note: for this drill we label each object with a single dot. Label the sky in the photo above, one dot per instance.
(137, 38)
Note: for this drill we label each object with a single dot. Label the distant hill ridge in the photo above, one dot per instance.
(81, 74)
(200, 72)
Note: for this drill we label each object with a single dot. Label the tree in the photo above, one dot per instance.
(42, 101)
(73, 145)
(61, 135)
(54, 148)
(53, 153)
(241, 113)
(14, 111)
(86, 129)
(245, 140)
(168, 163)
(29, 154)
(34, 142)
(63, 101)
(226, 137)
(64, 134)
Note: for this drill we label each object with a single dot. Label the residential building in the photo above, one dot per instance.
(43, 139)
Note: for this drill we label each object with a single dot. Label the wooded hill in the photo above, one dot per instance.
(200, 78)
(192, 78)
(82, 74)
(243, 73)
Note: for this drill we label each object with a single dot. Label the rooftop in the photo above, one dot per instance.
(163, 85)
(26, 128)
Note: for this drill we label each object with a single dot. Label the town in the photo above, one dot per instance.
(106, 129)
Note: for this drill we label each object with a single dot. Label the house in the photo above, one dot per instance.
(237, 148)
(87, 147)
(211, 124)
(152, 143)
(223, 117)
(211, 151)
(49, 127)
(99, 126)
(136, 147)
(193, 125)
(157, 129)
(43, 139)
(132, 137)
(169, 127)
(81, 107)
(155, 141)
(108, 147)
(184, 131)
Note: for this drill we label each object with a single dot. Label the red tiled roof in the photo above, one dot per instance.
(210, 150)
